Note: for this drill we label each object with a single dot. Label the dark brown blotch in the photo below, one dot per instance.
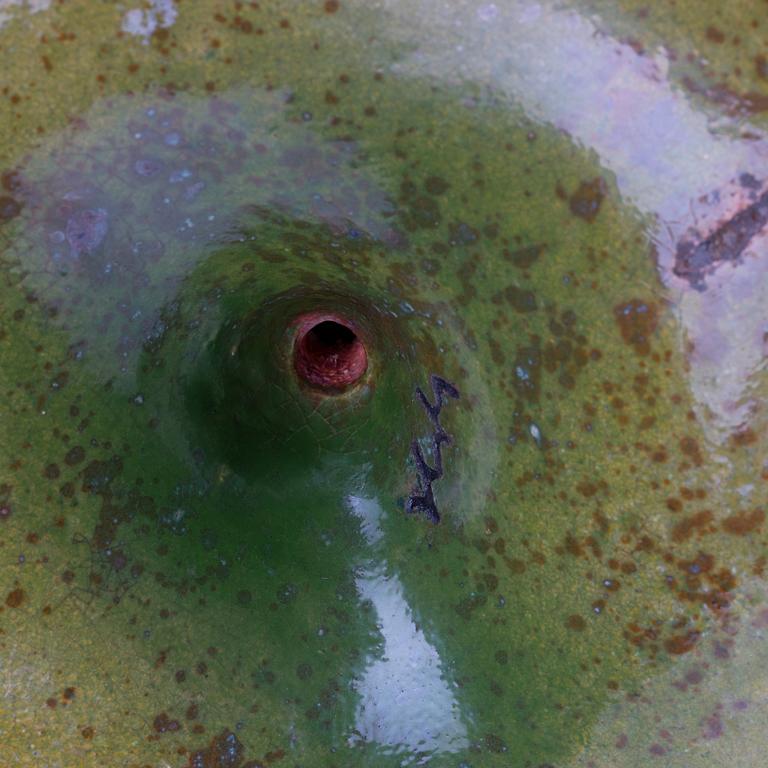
(10, 208)
(575, 623)
(587, 200)
(15, 597)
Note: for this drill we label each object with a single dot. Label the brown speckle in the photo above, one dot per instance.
(715, 35)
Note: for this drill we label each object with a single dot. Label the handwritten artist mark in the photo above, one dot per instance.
(423, 499)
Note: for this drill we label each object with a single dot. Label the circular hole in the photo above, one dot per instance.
(328, 353)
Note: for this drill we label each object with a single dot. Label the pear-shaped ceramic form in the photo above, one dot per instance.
(383, 384)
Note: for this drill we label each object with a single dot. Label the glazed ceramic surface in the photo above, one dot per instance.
(555, 557)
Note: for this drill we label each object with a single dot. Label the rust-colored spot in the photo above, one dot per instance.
(576, 623)
(15, 598)
(683, 530)
(87, 732)
(680, 644)
(674, 505)
(585, 202)
(331, 6)
(744, 437)
(587, 488)
(742, 523)
(715, 35)
(637, 320)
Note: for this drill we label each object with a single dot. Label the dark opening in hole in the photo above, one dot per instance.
(328, 353)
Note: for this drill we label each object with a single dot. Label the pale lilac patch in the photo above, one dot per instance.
(487, 12)
(86, 230)
(142, 22)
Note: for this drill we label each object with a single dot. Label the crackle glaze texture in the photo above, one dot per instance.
(557, 209)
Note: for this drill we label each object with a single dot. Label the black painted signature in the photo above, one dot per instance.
(423, 499)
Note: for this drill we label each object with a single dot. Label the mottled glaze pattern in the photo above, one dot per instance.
(559, 209)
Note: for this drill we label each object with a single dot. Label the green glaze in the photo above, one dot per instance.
(207, 564)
